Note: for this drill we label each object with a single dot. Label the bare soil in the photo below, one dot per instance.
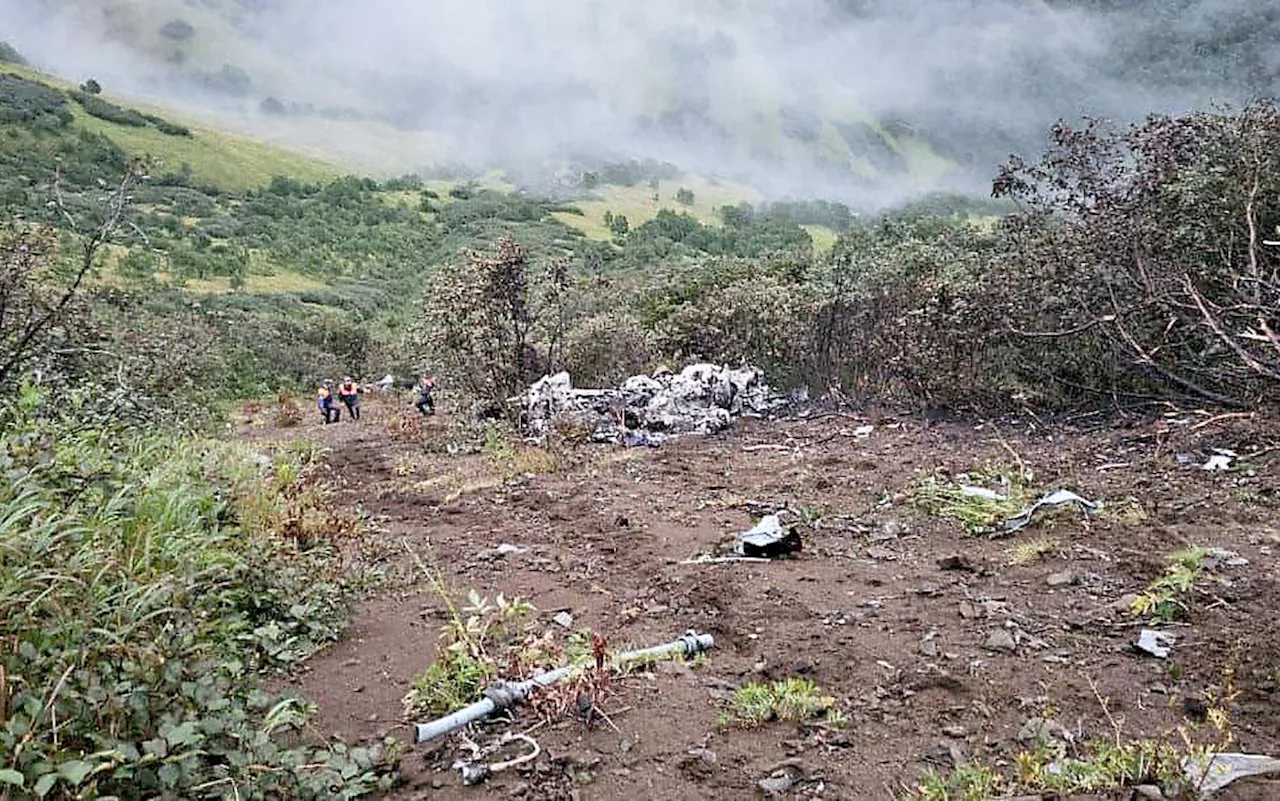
(872, 610)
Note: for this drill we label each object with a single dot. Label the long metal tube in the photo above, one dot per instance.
(504, 694)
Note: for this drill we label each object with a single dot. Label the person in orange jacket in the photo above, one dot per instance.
(324, 402)
(349, 394)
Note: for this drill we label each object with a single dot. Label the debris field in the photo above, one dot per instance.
(938, 646)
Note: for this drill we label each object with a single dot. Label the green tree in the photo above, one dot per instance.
(684, 196)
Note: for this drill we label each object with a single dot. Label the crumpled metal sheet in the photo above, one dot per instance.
(1225, 768)
(700, 399)
(1055, 498)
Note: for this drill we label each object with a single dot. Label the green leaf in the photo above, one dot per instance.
(182, 734)
(170, 774)
(45, 783)
(75, 771)
(13, 777)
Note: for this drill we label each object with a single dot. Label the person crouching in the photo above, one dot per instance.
(349, 394)
(324, 403)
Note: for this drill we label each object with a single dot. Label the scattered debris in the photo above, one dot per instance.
(768, 540)
(1220, 460)
(474, 771)
(783, 777)
(501, 550)
(1222, 769)
(1055, 498)
(862, 432)
(700, 399)
(971, 491)
(1156, 643)
(563, 619)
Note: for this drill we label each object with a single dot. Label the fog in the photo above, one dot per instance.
(790, 96)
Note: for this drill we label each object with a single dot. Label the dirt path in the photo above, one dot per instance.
(915, 652)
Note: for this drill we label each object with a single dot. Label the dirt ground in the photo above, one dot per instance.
(872, 609)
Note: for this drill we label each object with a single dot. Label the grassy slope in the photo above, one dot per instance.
(217, 158)
(636, 203)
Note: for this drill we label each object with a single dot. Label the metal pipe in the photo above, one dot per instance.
(503, 694)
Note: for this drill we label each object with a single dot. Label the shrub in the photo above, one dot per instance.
(606, 348)
(95, 106)
(27, 101)
(143, 582)
(9, 55)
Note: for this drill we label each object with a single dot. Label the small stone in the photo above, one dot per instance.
(1149, 792)
(1062, 578)
(927, 590)
(969, 610)
(955, 562)
(563, 619)
(884, 554)
(955, 731)
(626, 745)
(893, 529)
(1125, 602)
(929, 647)
(776, 785)
(1000, 640)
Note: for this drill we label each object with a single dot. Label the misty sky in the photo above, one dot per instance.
(776, 91)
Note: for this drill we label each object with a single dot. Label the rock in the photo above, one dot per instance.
(564, 620)
(929, 648)
(1000, 640)
(698, 764)
(1125, 602)
(777, 785)
(1195, 709)
(1062, 578)
(1149, 792)
(882, 554)
(892, 529)
(501, 551)
(955, 731)
(969, 610)
(927, 590)
(1044, 730)
(955, 562)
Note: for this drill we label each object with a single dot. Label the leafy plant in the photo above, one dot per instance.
(146, 581)
(793, 700)
(979, 501)
(471, 652)
(1163, 597)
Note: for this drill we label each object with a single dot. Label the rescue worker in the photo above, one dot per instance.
(349, 394)
(426, 403)
(324, 402)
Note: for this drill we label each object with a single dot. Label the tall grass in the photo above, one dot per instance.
(145, 581)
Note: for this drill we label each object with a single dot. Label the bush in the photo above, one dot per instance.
(607, 348)
(27, 101)
(9, 55)
(95, 106)
(144, 580)
(1147, 247)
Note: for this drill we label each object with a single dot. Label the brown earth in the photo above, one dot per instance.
(869, 610)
